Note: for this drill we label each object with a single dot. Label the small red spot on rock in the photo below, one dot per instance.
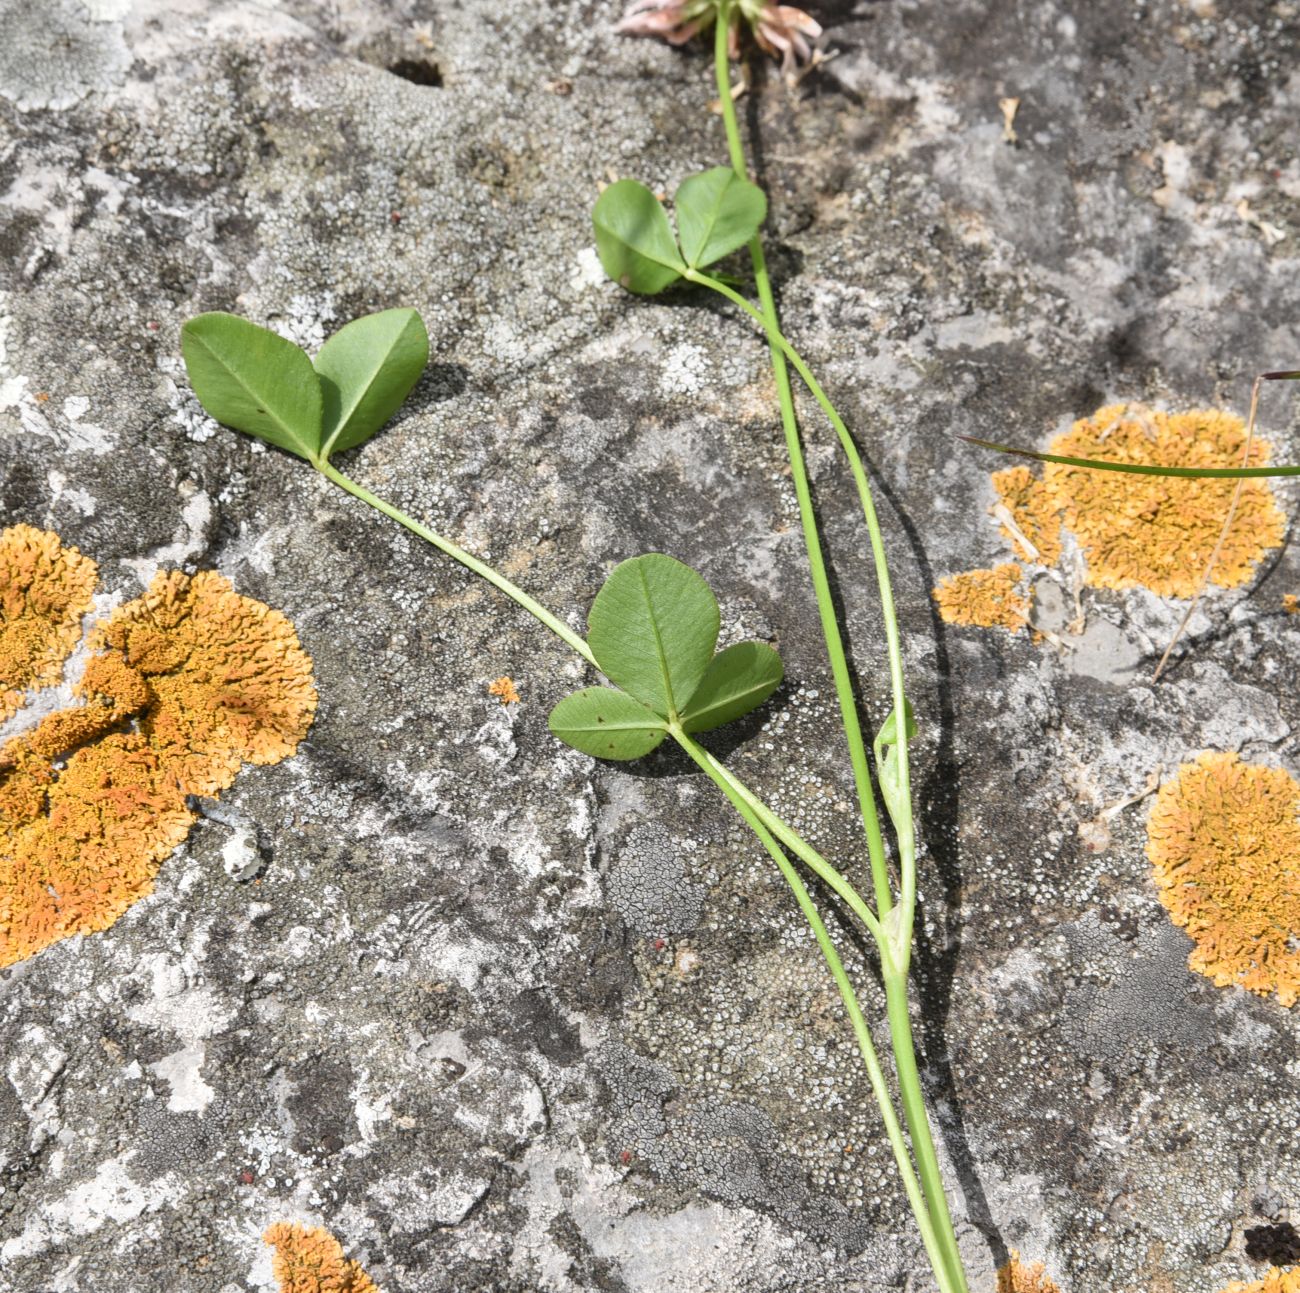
(395, 217)
(152, 325)
(625, 1157)
(246, 1177)
(659, 944)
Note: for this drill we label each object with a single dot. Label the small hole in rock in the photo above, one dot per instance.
(419, 71)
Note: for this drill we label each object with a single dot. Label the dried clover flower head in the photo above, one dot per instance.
(311, 1260)
(1223, 839)
(780, 30)
(1022, 1277)
(190, 681)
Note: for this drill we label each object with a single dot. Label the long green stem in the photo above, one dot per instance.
(896, 951)
(893, 643)
(807, 516)
(743, 805)
(764, 823)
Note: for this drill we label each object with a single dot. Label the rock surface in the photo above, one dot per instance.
(498, 1017)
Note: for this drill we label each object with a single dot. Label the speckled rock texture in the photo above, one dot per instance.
(506, 1020)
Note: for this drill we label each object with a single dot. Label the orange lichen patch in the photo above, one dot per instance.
(1034, 512)
(1291, 603)
(504, 687)
(311, 1260)
(227, 680)
(1021, 1277)
(1158, 532)
(1224, 841)
(1276, 1281)
(45, 589)
(191, 681)
(985, 598)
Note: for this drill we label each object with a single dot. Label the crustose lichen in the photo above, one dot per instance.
(187, 682)
(1224, 841)
(311, 1260)
(45, 589)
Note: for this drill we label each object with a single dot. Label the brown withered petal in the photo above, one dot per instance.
(782, 29)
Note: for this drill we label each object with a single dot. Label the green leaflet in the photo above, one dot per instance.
(254, 380)
(652, 629)
(366, 370)
(717, 213)
(738, 680)
(606, 724)
(635, 240)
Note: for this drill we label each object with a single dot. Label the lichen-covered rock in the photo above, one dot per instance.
(493, 1016)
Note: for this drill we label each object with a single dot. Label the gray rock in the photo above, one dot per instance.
(501, 1018)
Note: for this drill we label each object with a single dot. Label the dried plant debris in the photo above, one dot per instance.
(984, 598)
(187, 682)
(1135, 531)
(45, 589)
(310, 1260)
(1037, 522)
(1224, 841)
(1276, 1281)
(1021, 1277)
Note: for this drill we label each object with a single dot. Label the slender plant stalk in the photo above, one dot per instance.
(896, 949)
(484, 571)
(879, 1087)
(759, 818)
(807, 516)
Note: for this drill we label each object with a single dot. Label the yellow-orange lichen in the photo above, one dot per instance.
(984, 598)
(1158, 532)
(1291, 603)
(45, 589)
(1223, 838)
(1034, 512)
(1276, 1281)
(1021, 1277)
(504, 688)
(190, 680)
(311, 1260)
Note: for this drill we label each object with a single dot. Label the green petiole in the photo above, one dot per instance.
(807, 516)
(895, 946)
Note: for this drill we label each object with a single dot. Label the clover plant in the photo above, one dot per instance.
(653, 631)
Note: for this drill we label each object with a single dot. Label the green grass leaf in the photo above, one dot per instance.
(1141, 469)
(635, 240)
(717, 213)
(606, 724)
(254, 380)
(653, 627)
(740, 679)
(366, 369)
